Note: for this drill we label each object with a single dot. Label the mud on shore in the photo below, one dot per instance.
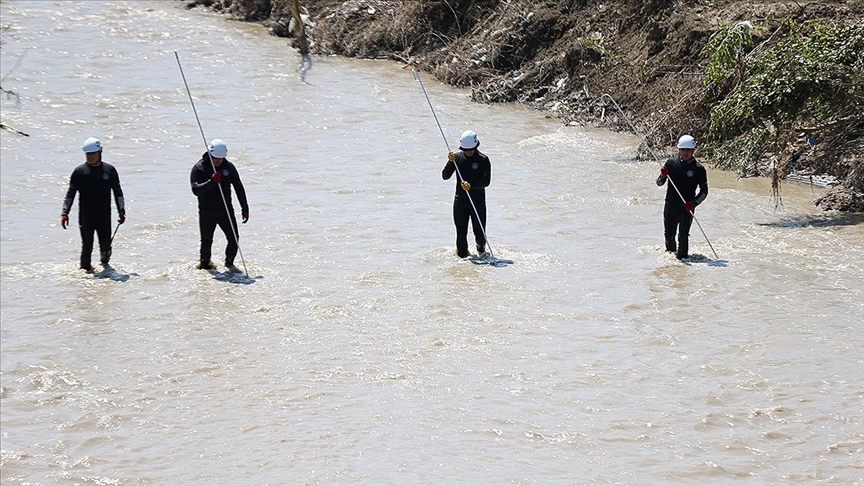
(576, 59)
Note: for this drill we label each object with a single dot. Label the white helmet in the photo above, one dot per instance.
(468, 141)
(91, 145)
(217, 148)
(687, 142)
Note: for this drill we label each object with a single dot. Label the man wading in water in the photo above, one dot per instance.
(476, 170)
(687, 174)
(94, 180)
(212, 210)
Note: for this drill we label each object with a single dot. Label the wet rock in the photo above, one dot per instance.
(841, 198)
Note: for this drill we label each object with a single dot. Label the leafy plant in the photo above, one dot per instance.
(812, 73)
(745, 154)
(726, 50)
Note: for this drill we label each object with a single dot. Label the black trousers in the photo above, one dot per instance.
(677, 219)
(207, 222)
(462, 212)
(102, 227)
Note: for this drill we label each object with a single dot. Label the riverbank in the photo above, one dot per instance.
(571, 59)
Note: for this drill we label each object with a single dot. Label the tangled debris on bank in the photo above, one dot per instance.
(653, 57)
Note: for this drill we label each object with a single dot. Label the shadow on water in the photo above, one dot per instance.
(696, 258)
(487, 259)
(818, 221)
(111, 274)
(234, 277)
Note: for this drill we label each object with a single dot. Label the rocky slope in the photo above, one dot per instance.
(577, 59)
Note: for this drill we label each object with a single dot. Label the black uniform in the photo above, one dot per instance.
(687, 177)
(95, 184)
(211, 208)
(477, 171)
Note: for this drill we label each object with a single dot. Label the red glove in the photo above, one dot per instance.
(121, 218)
(664, 171)
(216, 178)
(245, 216)
(689, 206)
(64, 220)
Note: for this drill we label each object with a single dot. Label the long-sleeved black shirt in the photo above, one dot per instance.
(209, 198)
(94, 184)
(687, 176)
(476, 170)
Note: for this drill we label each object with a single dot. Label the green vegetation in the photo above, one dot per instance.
(811, 75)
(726, 51)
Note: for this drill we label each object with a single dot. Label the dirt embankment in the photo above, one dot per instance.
(576, 59)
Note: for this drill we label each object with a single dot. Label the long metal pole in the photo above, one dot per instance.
(642, 138)
(231, 218)
(459, 173)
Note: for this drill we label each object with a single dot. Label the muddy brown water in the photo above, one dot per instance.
(361, 350)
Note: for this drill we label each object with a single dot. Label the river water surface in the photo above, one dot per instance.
(360, 350)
